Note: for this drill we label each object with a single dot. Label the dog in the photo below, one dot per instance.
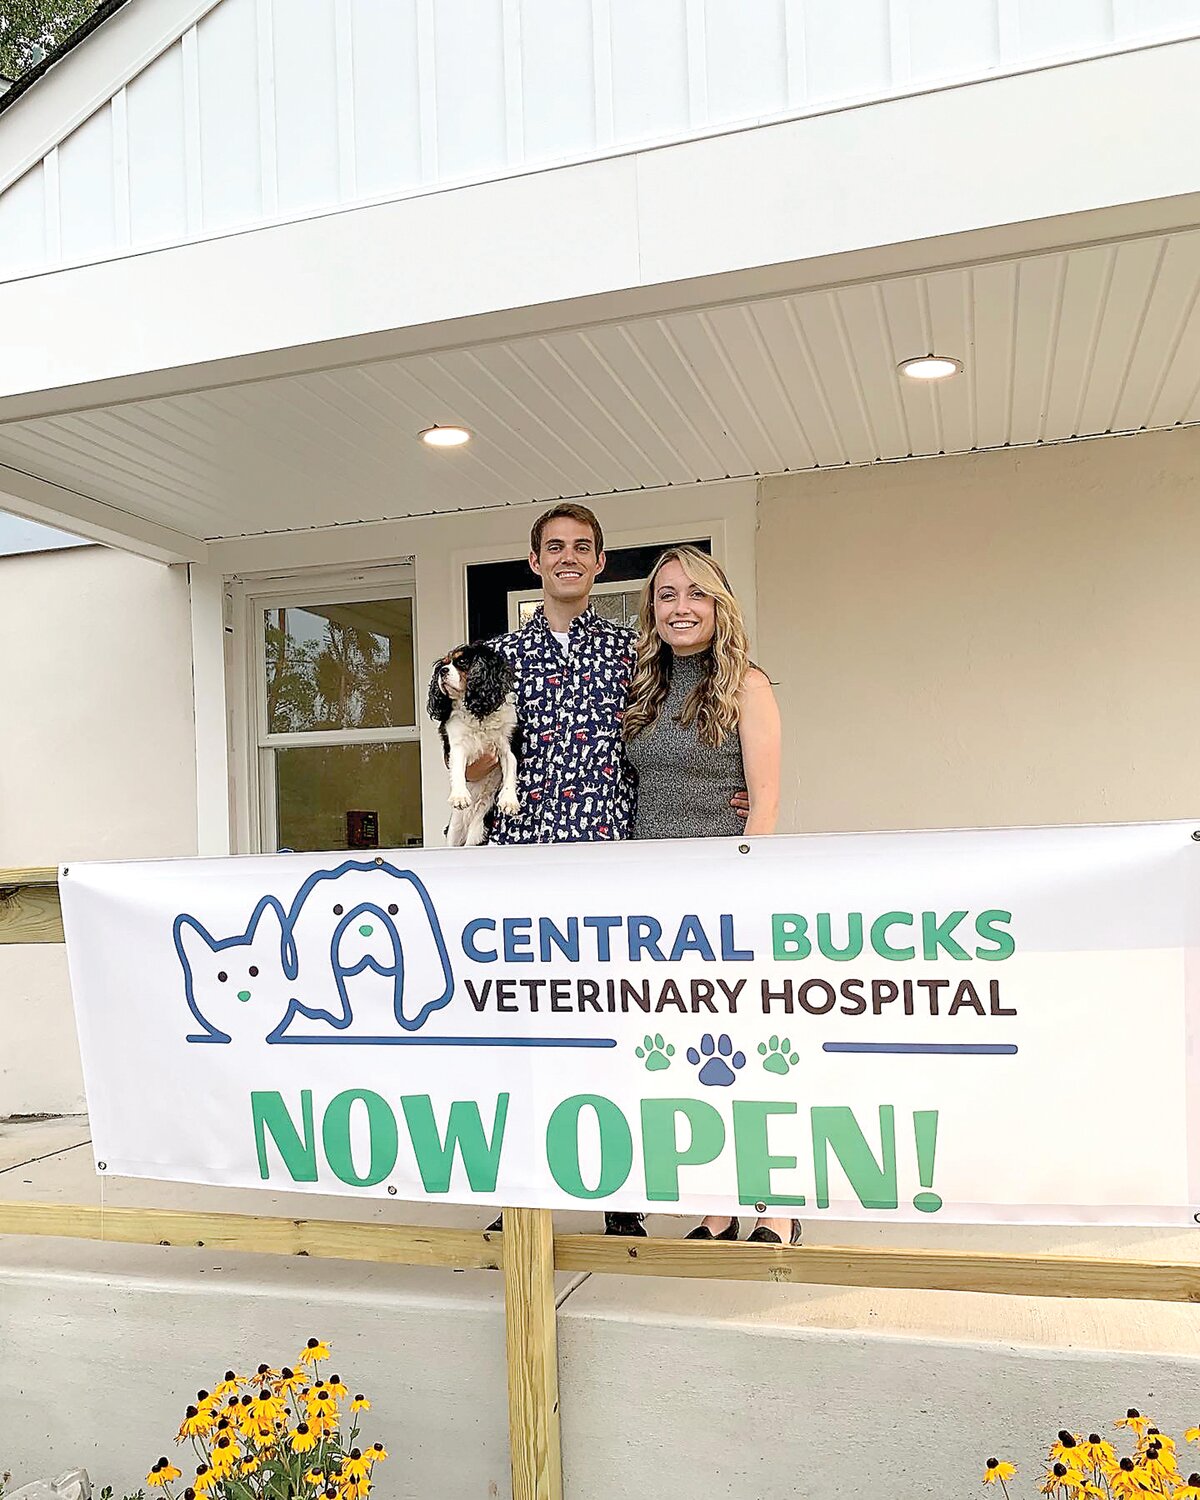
(472, 699)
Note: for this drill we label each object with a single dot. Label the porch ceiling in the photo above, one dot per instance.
(1081, 342)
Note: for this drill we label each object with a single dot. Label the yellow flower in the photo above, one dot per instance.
(377, 1453)
(1059, 1477)
(204, 1480)
(163, 1472)
(195, 1423)
(304, 1438)
(1155, 1466)
(354, 1489)
(1134, 1420)
(265, 1409)
(316, 1476)
(264, 1374)
(322, 1408)
(250, 1463)
(355, 1466)
(360, 1403)
(1192, 1434)
(229, 1386)
(337, 1387)
(1099, 1454)
(288, 1382)
(996, 1471)
(224, 1456)
(1163, 1439)
(1067, 1450)
(1190, 1490)
(313, 1351)
(1125, 1481)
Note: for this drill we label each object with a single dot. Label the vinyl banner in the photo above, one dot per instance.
(982, 1026)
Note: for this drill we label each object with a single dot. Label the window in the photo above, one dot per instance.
(612, 601)
(339, 759)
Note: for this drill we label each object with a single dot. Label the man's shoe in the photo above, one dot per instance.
(631, 1226)
(764, 1236)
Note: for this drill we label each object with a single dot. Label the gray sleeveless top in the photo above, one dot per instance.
(684, 787)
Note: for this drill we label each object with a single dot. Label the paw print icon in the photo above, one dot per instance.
(717, 1061)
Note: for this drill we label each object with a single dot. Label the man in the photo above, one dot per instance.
(573, 669)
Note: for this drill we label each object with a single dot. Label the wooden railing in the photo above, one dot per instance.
(529, 1253)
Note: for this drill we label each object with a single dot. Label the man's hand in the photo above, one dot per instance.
(740, 801)
(478, 769)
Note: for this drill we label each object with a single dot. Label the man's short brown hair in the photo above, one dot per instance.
(569, 512)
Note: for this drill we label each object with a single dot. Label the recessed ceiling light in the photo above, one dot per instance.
(445, 437)
(930, 367)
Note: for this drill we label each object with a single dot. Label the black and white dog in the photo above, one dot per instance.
(472, 698)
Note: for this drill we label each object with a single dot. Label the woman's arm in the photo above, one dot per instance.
(758, 727)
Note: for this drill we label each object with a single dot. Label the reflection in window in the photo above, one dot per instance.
(339, 666)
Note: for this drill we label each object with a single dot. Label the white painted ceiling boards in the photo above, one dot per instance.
(1097, 339)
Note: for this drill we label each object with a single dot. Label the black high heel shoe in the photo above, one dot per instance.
(764, 1236)
(703, 1232)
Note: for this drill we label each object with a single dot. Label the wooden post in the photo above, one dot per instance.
(529, 1319)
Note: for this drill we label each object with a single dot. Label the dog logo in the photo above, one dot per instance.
(359, 957)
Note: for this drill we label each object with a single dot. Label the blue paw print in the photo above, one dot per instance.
(718, 1070)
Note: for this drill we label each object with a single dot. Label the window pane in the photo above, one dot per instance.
(348, 797)
(339, 666)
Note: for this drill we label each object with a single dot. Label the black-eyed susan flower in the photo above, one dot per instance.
(1190, 1490)
(360, 1403)
(265, 1409)
(317, 1477)
(1163, 1439)
(304, 1438)
(996, 1472)
(195, 1423)
(1191, 1434)
(1153, 1463)
(288, 1381)
(250, 1463)
(1098, 1452)
(337, 1388)
(1125, 1481)
(163, 1472)
(1134, 1420)
(204, 1480)
(228, 1385)
(313, 1351)
(224, 1456)
(1060, 1477)
(1066, 1449)
(377, 1453)
(355, 1466)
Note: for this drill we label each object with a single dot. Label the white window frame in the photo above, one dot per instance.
(257, 810)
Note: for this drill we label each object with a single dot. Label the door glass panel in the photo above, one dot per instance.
(339, 666)
(348, 796)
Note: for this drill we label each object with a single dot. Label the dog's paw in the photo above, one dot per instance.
(460, 800)
(508, 805)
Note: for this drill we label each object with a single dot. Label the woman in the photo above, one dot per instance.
(701, 723)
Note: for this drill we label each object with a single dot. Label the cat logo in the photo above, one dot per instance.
(358, 957)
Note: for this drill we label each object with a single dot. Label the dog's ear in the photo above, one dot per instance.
(489, 681)
(438, 704)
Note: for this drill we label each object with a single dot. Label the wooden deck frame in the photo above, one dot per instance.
(529, 1253)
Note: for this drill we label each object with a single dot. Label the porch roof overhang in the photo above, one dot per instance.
(722, 307)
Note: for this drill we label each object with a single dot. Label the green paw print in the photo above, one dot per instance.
(658, 1054)
(778, 1056)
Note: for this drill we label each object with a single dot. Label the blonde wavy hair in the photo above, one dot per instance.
(712, 703)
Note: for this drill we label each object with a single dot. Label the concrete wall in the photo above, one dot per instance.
(97, 760)
(1000, 639)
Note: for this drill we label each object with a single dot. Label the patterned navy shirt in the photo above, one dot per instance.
(574, 783)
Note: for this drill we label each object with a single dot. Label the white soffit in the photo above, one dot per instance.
(1087, 341)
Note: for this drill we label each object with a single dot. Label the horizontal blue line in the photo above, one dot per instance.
(443, 1041)
(975, 1049)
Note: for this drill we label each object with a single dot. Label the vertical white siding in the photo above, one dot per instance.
(285, 107)
(306, 109)
(23, 222)
(157, 165)
(649, 68)
(85, 175)
(229, 167)
(469, 82)
(387, 96)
